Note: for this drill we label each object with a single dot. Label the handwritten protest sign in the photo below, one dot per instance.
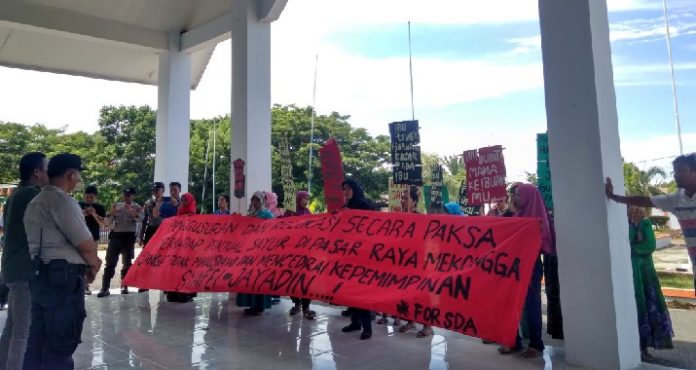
(485, 175)
(544, 170)
(289, 188)
(468, 274)
(427, 195)
(464, 202)
(436, 204)
(332, 170)
(406, 156)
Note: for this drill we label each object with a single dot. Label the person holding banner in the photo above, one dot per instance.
(223, 203)
(301, 202)
(271, 202)
(255, 303)
(453, 208)
(528, 202)
(355, 199)
(409, 203)
(186, 207)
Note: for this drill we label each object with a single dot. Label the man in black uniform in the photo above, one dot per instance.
(94, 215)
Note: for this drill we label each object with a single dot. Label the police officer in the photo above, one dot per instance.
(124, 217)
(64, 255)
(94, 215)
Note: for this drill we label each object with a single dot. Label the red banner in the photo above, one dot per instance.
(467, 274)
(332, 170)
(485, 175)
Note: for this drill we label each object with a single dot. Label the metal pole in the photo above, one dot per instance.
(205, 174)
(410, 70)
(674, 83)
(214, 161)
(311, 130)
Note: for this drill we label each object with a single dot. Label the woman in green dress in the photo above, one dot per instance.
(654, 323)
(256, 303)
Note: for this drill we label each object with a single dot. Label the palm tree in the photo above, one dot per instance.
(453, 163)
(641, 182)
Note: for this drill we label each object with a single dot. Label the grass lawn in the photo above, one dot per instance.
(675, 280)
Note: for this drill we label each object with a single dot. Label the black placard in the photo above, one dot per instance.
(463, 202)
(406, 156)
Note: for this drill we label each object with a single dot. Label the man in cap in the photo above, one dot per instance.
(123, 217)
(16, 263)
(150, 223)
(64, 255)
(94, 216)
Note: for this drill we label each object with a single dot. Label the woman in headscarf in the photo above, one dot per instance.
(453, 208)
(271, 203)
(654, 323)
(527, 202)
(359, 318)
(186, 208)
(256, 303)
(301, 304)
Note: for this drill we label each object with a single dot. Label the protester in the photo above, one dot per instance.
(64, 255)
(528, 202)
(301, 202)
(255, 303)
(271, 202)
(94, 216)
(453, 208)
(497, 208)
(552, 288)
(123, 219)
(654, 323)
(223, 203)
(150, 222)
(168, 205)
(16, 263)
(682, 203)
(355, 199)
(187, 207)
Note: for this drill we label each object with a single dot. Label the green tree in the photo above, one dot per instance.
(202, 141)
(639, 182)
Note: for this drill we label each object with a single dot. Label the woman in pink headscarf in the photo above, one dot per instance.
(271, 202)
(527, 202)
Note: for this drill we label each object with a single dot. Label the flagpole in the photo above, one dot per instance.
(214, 155)
(410, 70)
(668, 38)
(205, 174)
(311, 130)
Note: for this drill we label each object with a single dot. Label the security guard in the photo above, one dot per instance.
(64, 255)
(124, 217)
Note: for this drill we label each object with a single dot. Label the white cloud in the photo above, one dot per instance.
(657, 150)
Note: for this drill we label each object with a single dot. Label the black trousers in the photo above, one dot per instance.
(301, 301)
(554, 325)
(120, 244)
(149, 232)
(57, 315)
(361, 318)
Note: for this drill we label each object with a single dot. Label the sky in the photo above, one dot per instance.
(477, 75)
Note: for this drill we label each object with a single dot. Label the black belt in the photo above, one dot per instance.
(69, 267)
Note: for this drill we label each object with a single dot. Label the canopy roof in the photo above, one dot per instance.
(115, 40)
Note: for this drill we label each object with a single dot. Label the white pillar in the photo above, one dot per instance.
(173, 115)
(251, 98)
(599, 308)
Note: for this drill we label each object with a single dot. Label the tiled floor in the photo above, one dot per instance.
(146, 332)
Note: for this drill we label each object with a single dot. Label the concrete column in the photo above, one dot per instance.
(173, 115)
(599, 309)
(251, 98)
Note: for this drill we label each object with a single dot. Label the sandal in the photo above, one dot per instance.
(295, 310)
(407, 327)
(425, 333)
(505, 350)
(530, 353)
(310, 315)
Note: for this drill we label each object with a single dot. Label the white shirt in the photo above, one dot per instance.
(684, 208)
